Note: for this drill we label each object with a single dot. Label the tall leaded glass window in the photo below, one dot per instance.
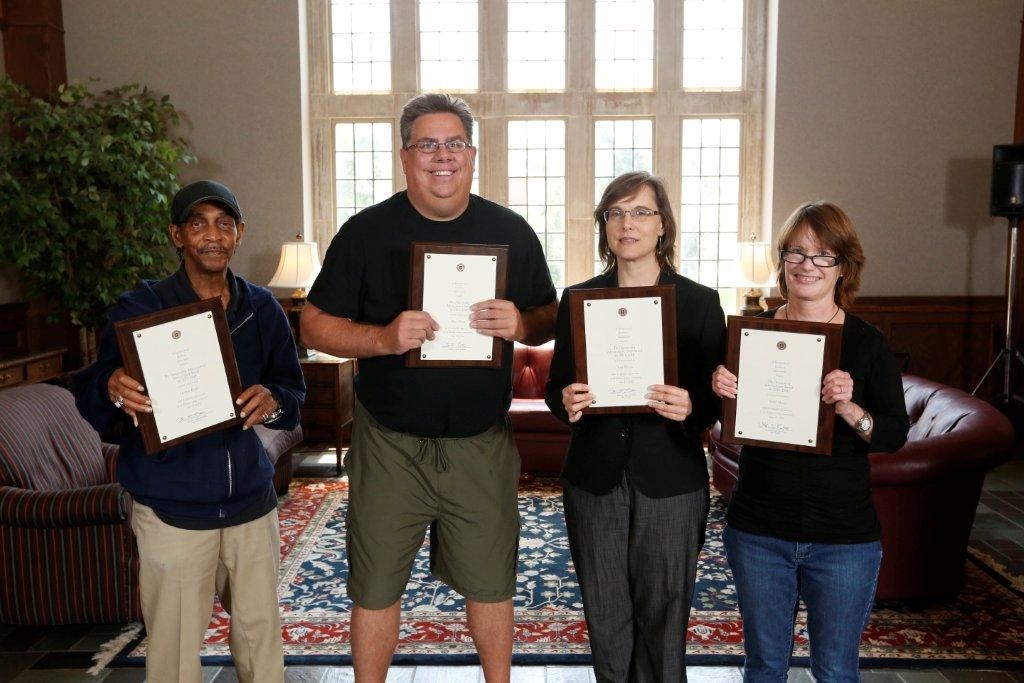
(449, 45)
(566, 95)
(536, 44)
(620, 146)
(363, 162)
(536, 184)
(624, 44)
(361, 45)
(710, 206)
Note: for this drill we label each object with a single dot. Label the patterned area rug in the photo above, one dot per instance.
(983, 626)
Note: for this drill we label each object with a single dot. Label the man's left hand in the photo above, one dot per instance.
(497, 318)
(256, 404)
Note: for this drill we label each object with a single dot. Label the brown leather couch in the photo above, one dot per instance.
(927, 492)
(542, 439)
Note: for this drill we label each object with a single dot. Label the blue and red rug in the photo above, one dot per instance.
(983, 626)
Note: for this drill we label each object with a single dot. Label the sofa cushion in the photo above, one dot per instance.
(46, 444)
(278, 441)
(530, 368)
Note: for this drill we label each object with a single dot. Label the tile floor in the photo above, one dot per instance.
(63, 654)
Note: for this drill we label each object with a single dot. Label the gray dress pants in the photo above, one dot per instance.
(636, 559)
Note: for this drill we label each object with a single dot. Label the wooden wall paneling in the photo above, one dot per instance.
(34, 44)
(952, 340)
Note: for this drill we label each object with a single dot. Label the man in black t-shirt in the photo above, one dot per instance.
(431, 447)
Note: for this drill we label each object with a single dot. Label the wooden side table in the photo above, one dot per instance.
(29, 367)
(330, 399)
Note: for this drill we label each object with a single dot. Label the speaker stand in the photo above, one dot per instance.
(1008, 354)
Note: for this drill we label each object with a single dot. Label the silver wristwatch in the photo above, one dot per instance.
(864, 424)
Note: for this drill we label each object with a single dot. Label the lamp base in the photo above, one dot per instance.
(752, 303)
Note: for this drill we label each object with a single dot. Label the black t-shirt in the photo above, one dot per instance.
(827, 498)
(365, 278)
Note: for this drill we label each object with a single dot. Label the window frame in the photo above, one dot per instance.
(580, 104)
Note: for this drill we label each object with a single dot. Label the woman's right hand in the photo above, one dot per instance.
(724, 383)
(575, 398)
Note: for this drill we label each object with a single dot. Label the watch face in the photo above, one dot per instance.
(864, 424)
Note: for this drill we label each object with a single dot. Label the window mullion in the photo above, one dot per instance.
(667, 93)
(321, 222)
(493, 45)
(579, 143)
(405, 47)
(668, 32)
(579, 54)
(579, 192)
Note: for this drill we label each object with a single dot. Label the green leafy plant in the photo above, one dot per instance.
(85, 183)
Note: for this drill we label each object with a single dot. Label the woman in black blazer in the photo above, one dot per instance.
(636, 485)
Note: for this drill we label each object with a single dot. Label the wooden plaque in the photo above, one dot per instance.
(456, 341)
(622, 343)
(785, 362)
(184, 357)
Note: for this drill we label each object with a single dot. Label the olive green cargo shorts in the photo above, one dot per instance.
(463, 489)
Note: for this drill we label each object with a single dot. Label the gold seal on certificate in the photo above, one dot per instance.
(446, 279)
(624, 340)
(184, 357)
(780, 365)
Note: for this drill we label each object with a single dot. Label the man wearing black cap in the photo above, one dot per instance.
(204, 512)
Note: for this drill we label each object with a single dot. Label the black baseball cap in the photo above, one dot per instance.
(202, 191)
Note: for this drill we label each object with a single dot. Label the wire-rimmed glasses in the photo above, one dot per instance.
(618, 215)
(431, 146)
(820, 260)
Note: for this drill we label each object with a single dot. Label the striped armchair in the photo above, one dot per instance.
(67, 551)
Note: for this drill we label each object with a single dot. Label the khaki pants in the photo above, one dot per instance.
(179, 570)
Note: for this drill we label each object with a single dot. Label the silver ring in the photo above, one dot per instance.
(119, 402)
(264, 416)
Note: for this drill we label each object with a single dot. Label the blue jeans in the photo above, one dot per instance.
(837, 583)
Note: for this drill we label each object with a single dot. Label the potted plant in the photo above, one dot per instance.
(85, 182)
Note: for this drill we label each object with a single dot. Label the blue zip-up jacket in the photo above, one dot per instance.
(222, 478)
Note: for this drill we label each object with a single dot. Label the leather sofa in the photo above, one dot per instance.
(542, 439)
(926, 493)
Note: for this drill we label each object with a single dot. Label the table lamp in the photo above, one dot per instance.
(298, 268)
(754, 270)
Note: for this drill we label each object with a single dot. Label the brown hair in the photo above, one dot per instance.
(834, 229)
(627, 185)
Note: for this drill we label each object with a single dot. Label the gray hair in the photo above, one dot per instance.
(434, 103)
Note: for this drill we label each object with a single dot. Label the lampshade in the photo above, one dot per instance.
(754, 267)
(298, 267)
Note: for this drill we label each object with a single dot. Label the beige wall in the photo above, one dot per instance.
(232, 68)
(891, 108)
(888, 107)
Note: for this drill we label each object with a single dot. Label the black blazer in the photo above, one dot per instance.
(661, 457)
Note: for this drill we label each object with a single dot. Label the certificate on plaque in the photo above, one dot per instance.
(184, 357)
(780, 365)
(623, 340)
(446, 279)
